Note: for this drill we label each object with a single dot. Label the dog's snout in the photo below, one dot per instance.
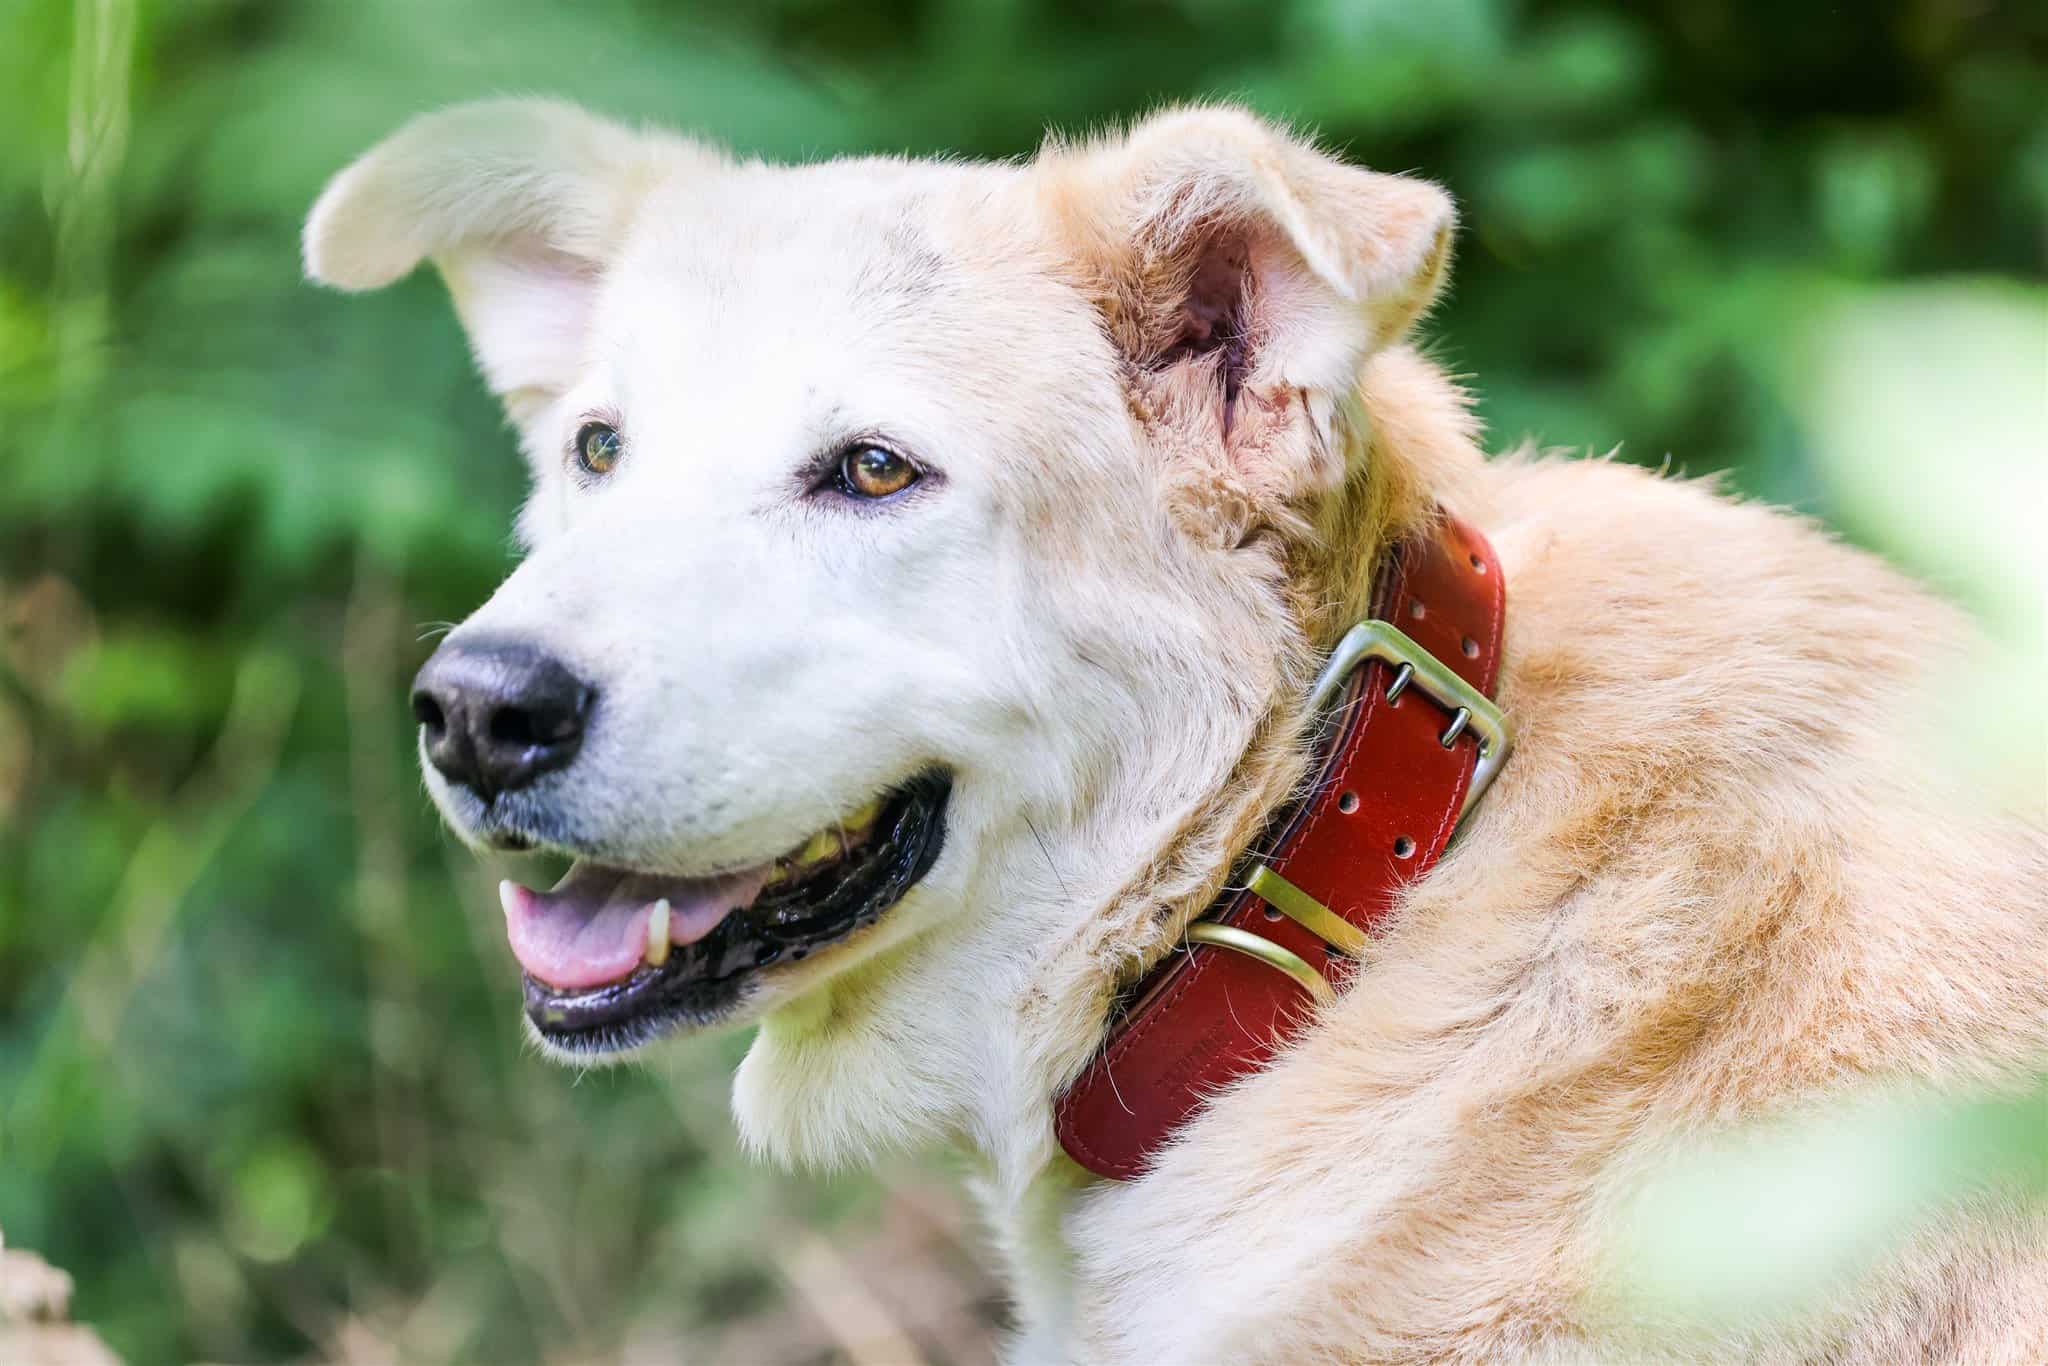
(495, 715)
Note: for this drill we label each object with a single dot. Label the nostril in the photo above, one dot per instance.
(539, 721)
(428, 713)
(514, 726)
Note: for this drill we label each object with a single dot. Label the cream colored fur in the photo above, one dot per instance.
(1164, 378)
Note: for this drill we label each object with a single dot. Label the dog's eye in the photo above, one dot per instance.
(875, 472)
(597, 447)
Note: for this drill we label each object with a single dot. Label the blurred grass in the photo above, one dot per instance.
(261, 1086)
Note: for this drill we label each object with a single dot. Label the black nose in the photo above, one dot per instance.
(497, 714)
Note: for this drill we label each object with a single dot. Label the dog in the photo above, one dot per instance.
(928, 567)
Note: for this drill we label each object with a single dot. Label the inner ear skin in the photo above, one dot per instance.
(1213, 316)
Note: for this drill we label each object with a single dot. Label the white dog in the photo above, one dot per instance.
(929, 564)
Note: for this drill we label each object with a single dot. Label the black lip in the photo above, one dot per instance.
(701, 983)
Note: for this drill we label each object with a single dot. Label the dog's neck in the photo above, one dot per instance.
(1414, 443)
(1416, 450)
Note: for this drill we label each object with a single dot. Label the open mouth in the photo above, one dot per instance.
(614, 957)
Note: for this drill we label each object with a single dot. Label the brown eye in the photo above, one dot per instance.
(875, 472)
(597, 447)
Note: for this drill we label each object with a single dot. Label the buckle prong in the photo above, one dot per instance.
(1457, 727)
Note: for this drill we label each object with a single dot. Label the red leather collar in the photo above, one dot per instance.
(1393, 785)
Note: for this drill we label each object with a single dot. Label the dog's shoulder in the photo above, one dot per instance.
(1669, 617)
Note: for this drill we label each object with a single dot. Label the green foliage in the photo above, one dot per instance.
(1780, 1222)
(261, 1086)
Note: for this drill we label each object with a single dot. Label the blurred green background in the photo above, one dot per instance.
(262, 1087)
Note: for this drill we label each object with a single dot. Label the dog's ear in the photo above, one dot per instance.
(1244, 275)
(519, 203)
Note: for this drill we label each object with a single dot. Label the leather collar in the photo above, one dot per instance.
(1414, 739)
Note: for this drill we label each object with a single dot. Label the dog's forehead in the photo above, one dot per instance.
(863, 293)
(848, 229)
(801, 260)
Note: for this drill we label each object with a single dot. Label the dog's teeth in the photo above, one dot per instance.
(657, 934)
(822, 846)
(865, 817)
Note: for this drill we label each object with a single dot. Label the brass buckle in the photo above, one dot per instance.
(1220, 936)
(1298, 906)
(1470, 709)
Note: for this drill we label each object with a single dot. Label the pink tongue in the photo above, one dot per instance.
(591, 930)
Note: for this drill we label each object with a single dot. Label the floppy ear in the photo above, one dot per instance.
(520, 203)
(1245, 277)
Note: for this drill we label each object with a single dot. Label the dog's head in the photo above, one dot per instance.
(916, 551)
